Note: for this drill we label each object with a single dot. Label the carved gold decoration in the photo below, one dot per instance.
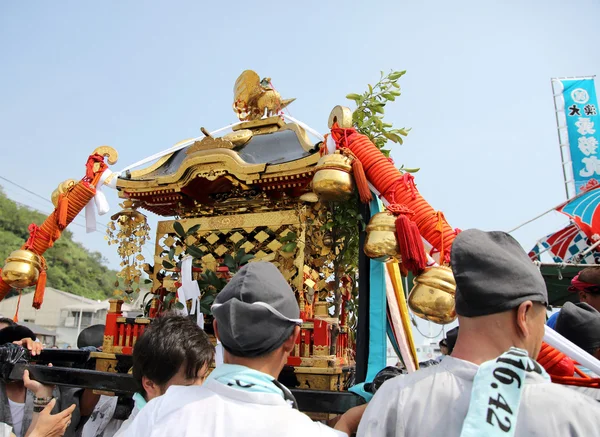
(239, 138)
(432, 297)
(62, 188)
(333, 180)
(381, 243)
(342, 116)
(209, 143)
(22, 269)
(108, 152)
(258, 234)
(255, 98)
(129, 229)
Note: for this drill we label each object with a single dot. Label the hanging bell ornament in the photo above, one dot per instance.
(62, 188)
(381, 243)
(333, 179)
(22, 269)
(328, 239)
(432, 297)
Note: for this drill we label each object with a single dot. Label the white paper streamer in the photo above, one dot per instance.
(330, 145)
(573, 351)
(90, 217)
(189, 289)
(98, 202)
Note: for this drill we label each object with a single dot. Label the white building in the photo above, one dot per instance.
(64, 313)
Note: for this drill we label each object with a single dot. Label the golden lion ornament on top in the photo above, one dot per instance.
(333, 179)
(254, 98)
(432, 297)
(22, 269)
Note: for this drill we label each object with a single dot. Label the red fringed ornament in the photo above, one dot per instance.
(361, 181)
(410, 242)
(364, 192)
(63, 207)
(40, 288)
(16, 316)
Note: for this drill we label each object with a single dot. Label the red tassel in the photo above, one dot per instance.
(361, 181)
(63, 208)
(16, 317)
(40, 288)
(411, 246)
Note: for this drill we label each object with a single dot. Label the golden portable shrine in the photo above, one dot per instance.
(262, 191)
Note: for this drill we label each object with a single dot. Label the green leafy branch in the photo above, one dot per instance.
(367, 118)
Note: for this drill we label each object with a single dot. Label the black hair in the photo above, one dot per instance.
(7, 321)
(591, 275)
(15, 333)
(171, 341)
(91, 336)
(451, 337)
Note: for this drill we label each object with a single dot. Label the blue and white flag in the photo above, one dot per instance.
(582, 121)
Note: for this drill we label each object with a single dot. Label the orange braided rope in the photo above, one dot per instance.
(70, 205)
(397, 188)
(562, 369)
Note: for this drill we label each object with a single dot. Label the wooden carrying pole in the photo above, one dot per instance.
(70, 204)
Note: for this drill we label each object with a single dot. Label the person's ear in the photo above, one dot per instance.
(582, 296)
(524, 314)
(215, 329)
(151, 388)
(288, 345)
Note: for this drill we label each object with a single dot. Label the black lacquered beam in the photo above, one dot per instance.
(313, 401)
(72, 377)
(333, 402)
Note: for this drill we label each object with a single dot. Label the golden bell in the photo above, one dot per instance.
(22, 269)
(381, 243)
(432, 297)
(62, 188)
(333, 179)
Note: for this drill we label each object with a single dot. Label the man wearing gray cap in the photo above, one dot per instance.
(257, 320)
(580, 324)
(490, 385)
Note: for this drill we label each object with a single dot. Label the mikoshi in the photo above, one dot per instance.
(263, 188)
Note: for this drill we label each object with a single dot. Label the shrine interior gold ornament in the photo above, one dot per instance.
(62, 188)
(381, 243)
(333, 179)
(432, 297)
(22, 269)
(129, 229)
(254, 98)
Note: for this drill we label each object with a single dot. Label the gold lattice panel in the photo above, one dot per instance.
(258, 234)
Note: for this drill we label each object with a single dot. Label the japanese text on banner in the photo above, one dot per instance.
(583, 125)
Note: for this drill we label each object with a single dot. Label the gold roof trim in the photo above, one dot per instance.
(203, 161)
(209, 143)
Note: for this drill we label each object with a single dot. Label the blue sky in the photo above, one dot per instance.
(141, 77)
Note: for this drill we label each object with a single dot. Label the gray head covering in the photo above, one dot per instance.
(493, 274)
(580, 324)
(256, 311)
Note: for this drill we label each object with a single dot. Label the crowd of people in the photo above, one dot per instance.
(488, 380)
